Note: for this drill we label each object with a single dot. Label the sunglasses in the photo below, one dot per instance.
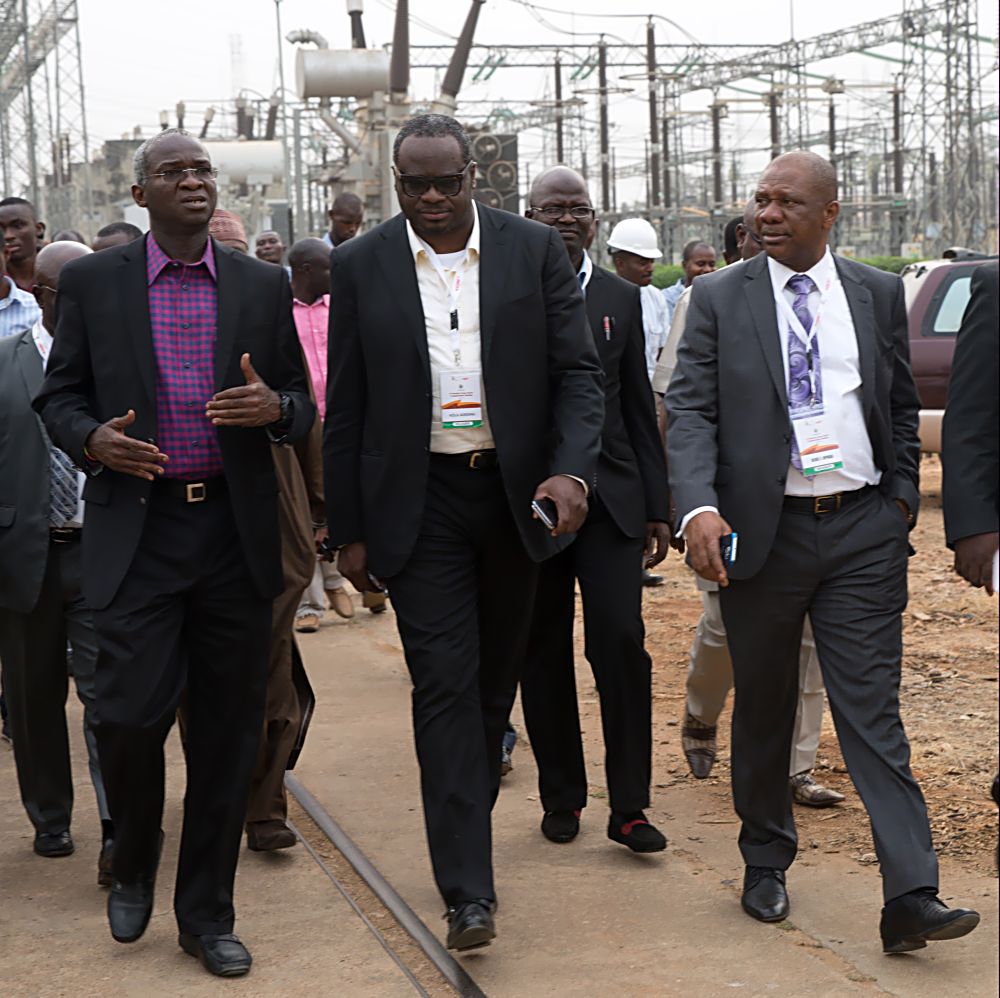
(415, 186)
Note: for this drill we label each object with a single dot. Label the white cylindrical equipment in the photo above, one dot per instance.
(253, 162)
(341, 72)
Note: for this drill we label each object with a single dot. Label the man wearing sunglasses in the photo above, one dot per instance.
(463, 385)
(175, 368)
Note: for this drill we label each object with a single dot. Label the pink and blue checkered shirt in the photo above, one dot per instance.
(183, 309)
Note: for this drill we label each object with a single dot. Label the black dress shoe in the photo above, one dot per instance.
(698, 740)
(470, 925)
(561, 826)
(104, 861)
(267, 836)
(224, 955)
(911, 921)
(764, 894)
(634, 831)
(51, 844)
(129, 908)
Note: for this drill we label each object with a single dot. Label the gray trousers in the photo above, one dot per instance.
(847, 571)
(710, 678)
(325, 576)
(36, 682)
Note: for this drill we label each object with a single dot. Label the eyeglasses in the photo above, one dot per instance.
(43, 287)
(205, 173)
(757, 239)
(414, 186)
(553, 212)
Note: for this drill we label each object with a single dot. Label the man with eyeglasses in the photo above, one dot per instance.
(463, 387)
(174, 369)
(41, 603)
(626, 528)
(710, 669)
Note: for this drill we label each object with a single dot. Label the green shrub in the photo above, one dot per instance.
(893, 264)
(665, 274)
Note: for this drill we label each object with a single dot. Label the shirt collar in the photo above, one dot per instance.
(586, 270)
(17, 295)
(418, 246)
(819, 272)
(156, 259)
(323, 300)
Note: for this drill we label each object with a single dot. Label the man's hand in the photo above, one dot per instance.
(702, 535)
(252, 404)
(904, 509)
(320, 534)
(570, 498)
(974, 559)
(658, 535)
(109, 446)
(352, 563)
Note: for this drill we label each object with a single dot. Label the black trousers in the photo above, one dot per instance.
(36, 677)
(847, 570)
(186, 620)
(463, 605)
(609, 568)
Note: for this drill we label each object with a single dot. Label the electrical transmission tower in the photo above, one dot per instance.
(44, 152)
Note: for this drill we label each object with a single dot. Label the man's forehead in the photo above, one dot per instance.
(439, 148)
(11, 212)
(178, 148)
(269, 236)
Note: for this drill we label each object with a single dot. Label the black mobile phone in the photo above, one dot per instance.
(727, 546)
(545, 510)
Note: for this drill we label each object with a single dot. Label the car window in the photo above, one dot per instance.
(949, 314)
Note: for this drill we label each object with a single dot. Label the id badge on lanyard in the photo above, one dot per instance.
(814, 432)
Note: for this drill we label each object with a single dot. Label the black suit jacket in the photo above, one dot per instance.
(729, 436)
(631, 471)
(970, 436)
(102, 364)
(541, 376)
(24, 480)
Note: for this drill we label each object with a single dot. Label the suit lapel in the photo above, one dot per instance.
(135, 292)
(760, 298)
(595, 308)
(30, 364)
(227, 320)
(396, 260)
(859, 302)
(494, 263)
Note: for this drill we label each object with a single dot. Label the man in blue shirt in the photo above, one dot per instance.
(18, 309)
(697, 258)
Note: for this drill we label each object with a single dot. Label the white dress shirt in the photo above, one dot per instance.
(655, 324)
(841, 373)
(43, 343)
(586, 270)
(437, 315)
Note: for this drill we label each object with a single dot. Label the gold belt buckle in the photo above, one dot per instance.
(818, 504)
(195, 492)
(474, 459)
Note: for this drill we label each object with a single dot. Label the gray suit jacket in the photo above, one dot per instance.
(729, 434)
(24, 479)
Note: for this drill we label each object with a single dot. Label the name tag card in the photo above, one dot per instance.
(818, 447)
(461, 400)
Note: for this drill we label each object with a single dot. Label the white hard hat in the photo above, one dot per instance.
(635, 235)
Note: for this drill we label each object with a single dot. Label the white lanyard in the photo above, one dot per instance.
(795, 324)
(41, 344)
(452, 290)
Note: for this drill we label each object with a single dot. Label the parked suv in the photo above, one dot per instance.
(937, 292)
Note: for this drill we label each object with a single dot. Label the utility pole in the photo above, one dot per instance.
(772, 105)
(832, 138)
(284, 124)
(898, 204)
(654, 137)
(602, 99)
(560, 151)
(30, 107)
(717, 109)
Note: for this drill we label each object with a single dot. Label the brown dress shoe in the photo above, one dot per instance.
(267, 836)
(340, 602)
(805, 790)
(308, 623)
(698, 743)
(373, 601)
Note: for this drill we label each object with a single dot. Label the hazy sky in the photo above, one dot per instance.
(139, 59)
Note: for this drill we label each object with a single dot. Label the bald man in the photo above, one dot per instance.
(626, 528)
(346, 215)
(41, 605)
(806, 449)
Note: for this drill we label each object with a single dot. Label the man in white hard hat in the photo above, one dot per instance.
(634, 250)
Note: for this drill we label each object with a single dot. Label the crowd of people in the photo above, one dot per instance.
(460, 412)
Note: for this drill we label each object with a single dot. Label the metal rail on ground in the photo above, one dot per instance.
(447, 966)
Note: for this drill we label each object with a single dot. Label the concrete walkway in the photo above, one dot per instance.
(590, 918)
(54, 938)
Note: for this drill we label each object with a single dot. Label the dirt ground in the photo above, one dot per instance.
(948, 695)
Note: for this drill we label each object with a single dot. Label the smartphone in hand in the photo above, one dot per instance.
(728, 544)
(545, 510)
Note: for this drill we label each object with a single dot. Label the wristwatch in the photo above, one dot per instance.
(285, 403)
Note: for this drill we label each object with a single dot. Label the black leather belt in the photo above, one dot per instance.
(477, 460)
(823, 505)
(65, 535)
(191, 491)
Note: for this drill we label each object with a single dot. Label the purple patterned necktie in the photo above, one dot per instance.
(800, 388)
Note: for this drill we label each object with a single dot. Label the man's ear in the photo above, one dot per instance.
(138, 195)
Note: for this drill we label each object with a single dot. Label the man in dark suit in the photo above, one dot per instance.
(807, 450)
(627, 520)
(969, 446)
(463, 385)
(160, 387)
(41, 603)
